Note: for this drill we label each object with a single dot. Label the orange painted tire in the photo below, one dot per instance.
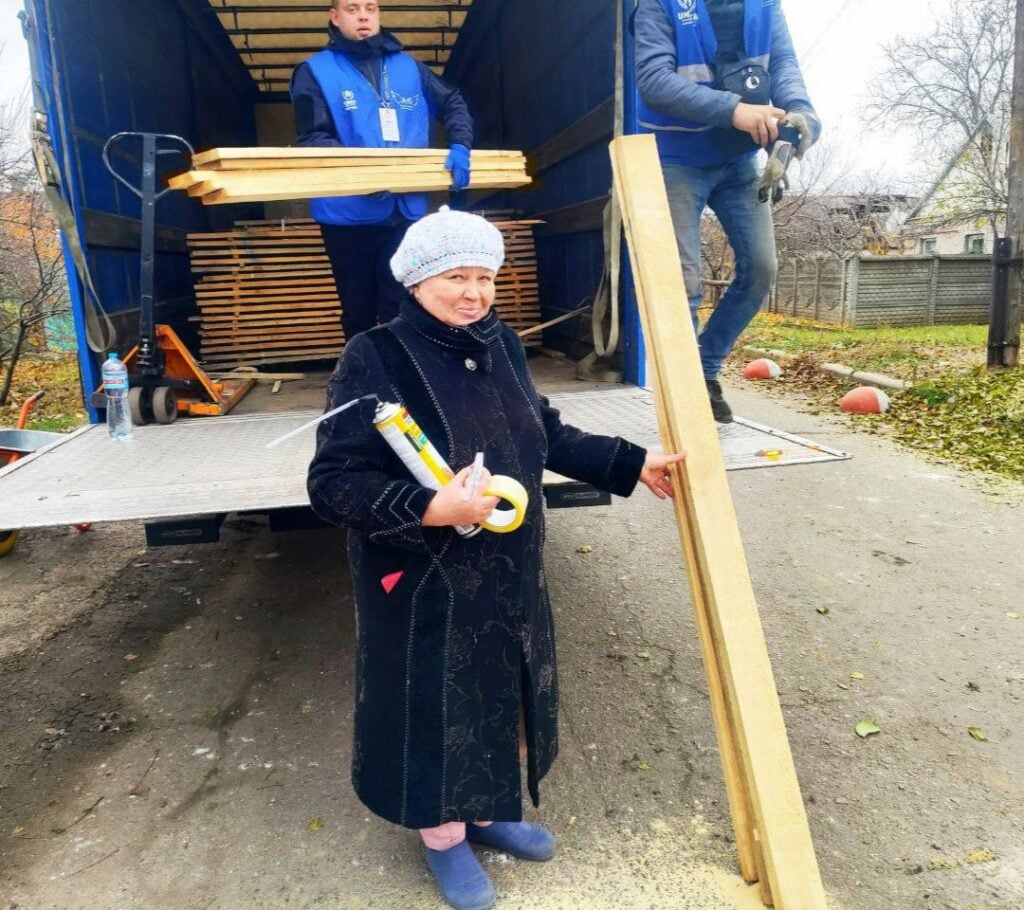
(762, 368)
(865, 399)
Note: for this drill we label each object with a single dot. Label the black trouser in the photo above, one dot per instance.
(361, 262)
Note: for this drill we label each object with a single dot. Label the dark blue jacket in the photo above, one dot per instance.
(448, 657)
(313, 123)
(664, 91)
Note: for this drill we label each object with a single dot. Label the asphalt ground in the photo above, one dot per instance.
(175, 723)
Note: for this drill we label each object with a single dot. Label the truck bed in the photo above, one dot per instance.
(194, 467)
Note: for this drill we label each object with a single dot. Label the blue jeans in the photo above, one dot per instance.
(731, 193)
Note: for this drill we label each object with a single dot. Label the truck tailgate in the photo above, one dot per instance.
(219, 465)
(192, 467)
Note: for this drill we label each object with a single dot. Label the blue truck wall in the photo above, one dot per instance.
(531, 71)
(635, 349)
(162, 66)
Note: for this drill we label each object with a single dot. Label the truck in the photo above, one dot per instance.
(551, 79)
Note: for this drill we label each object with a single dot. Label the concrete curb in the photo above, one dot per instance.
(880, 380)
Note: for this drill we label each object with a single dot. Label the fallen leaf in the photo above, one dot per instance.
(131, 657)
(943, 862)
(866, 728)
(977, 734)
(315, 824)
(139, 790)
(585, 549)
(856, 676)
(824, 611)
(18, 831)
(1011, 615)
(643, 655)
(981, 855)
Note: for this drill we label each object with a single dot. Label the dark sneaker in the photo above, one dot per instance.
(461, 878)
(719, 406)
(521, 839)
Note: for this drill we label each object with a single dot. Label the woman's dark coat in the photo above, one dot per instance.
(465, 637)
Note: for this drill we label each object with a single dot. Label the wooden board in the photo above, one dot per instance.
(364, 169)
(314, 154)
(231, 176)
(225, 193)
(756, 753)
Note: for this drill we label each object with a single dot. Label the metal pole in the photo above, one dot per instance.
(147, 331)
(1004, 327)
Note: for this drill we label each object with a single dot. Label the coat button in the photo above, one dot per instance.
(470, 364)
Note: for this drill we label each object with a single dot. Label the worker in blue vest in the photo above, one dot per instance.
(363, 91)
(716, 77)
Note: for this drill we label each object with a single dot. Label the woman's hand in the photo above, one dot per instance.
(656, 476)
(759, 121)
(449, 507)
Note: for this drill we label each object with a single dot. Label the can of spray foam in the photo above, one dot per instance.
(418, 454)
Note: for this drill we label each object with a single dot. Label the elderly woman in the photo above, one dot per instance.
(455, 677)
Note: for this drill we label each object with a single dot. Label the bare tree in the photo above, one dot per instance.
(953, 86)
(831, 210)
(717, 260)
(33, 286)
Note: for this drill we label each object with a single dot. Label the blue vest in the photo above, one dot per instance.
(355, 108)
(690, 142)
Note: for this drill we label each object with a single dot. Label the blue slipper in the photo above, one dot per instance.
(521, 839)
(461, 878)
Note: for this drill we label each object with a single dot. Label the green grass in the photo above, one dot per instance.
(906, 353)
(61, 423)
(972, 417)
(62, 409)
(956, 410)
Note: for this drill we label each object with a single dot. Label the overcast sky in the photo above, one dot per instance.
(839, 42)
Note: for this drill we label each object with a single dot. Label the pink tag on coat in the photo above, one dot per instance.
(389, 581)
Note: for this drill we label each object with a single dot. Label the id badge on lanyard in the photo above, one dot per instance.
(389, 128)
(389, 125)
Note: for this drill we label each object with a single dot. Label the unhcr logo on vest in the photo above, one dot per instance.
(688, 14)
(350, 101)
(406, 104)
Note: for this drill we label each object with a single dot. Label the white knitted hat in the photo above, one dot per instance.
(445, 241)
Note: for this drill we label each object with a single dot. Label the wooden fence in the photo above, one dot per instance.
(866, 291)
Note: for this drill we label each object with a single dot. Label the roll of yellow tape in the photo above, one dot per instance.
(511, 491)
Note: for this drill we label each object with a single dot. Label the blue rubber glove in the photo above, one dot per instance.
(458, 164)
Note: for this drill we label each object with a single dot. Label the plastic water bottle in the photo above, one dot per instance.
(115, 387)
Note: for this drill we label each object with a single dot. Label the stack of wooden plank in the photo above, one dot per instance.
(266, 294)
(235, 175)
(517, 297)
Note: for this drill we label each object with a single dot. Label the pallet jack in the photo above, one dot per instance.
(164, 378)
